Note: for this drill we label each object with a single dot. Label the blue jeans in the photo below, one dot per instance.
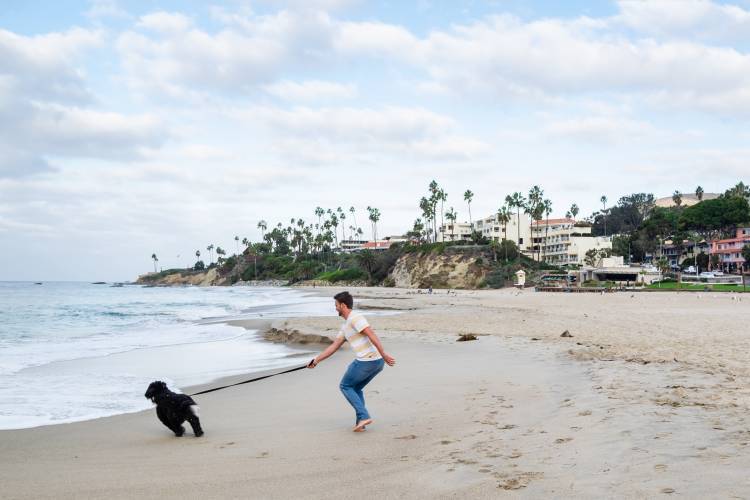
(357, 376)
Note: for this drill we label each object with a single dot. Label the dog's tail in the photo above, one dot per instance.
(195, 409)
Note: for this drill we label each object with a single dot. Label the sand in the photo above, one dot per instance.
(648, 397)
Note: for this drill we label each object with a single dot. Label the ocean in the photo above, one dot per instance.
(78, 351)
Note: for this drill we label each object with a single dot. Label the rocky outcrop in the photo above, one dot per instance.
(204, 278)
(464, 270)
(284, 336)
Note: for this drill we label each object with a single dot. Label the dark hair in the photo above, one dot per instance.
(345, 298)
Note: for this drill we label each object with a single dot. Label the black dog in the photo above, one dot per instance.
(173, 409)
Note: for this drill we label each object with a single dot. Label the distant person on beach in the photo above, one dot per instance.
(370, 360)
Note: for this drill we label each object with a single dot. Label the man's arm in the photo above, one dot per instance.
(376, 342)
(327, 353)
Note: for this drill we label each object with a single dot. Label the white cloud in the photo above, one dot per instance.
(80, 132)
(690, 19)
(600, 129)
(356, 124)
(311, 90)
(540, 61)
(106, 9)
(45, 106)
(323, 135)
(42, 67)
(165, 22)
(233, 60)
(376, 39)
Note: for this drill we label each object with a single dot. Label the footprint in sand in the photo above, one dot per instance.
(520, 481)
(563, 440)
(264, 454)
(515, 454)
(585, 413)
(408, 436)
(667, 490)
(660, 467)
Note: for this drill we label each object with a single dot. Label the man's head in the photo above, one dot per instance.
(344, 303)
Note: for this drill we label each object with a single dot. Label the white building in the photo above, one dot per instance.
(455, 232)
(561, 242)
(493, 230)
(490, 228)
(349, 246)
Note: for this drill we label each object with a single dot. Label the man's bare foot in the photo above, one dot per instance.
(363, 429)
(361, 424)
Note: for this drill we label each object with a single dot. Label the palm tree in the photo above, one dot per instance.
(533, 208)
(699, 193)
(237, 242)
(155, 259)
(354, 216)
(468, 197)
(262, 225)
(443, 197)
(574, 210)
(342, 218)
(451, 215)
(677, 198)
(335, 224)
(603, 199)
(210, 249)
(503, 216)
(547, 204)
(374, 218)
(516, 200)
(367, 260)
(197, 254)
(428, 213)
(319, 212)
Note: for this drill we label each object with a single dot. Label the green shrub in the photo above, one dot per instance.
(351, 274)
(496, 278)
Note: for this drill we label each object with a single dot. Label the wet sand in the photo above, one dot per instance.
(648, 397)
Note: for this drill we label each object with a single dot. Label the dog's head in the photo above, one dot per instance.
(154, 389)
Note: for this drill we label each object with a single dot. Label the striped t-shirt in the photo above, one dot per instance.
(360, 343)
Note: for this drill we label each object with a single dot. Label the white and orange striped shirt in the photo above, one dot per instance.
(360, 343)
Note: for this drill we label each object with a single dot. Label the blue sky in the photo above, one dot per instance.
(164, 126)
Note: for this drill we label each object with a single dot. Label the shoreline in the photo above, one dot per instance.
(647, 396)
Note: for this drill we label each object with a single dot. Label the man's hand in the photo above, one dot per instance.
(312, 364)
(390, 360)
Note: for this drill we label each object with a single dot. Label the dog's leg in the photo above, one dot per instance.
(168, 418)
(177, 427)
(195, 423)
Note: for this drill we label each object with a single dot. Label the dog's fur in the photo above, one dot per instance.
(173, 409)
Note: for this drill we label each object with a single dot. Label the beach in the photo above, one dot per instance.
(646, 396)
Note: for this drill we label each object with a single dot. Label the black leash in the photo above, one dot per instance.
(251, 380)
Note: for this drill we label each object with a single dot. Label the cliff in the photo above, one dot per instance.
(450, 269)
(174, 277)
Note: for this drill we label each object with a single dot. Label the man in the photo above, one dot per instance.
(369, 361)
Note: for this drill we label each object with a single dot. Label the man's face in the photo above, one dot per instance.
(339, 308)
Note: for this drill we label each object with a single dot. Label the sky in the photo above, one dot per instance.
(140, 127)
